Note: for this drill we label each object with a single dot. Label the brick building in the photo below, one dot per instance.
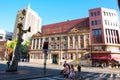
(105, 36)
(2, 49)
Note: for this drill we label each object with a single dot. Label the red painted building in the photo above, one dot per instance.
(105, 35)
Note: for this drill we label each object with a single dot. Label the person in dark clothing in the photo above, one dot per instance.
(79, 70)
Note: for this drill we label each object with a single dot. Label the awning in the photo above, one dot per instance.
(115, 57)
(105, 56)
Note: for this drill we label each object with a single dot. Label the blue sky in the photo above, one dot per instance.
(51, 11)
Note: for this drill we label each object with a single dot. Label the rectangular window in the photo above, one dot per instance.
(95, 14)
(71, 45)
(95, 22)
(99, 22)
(51, 47)
(98, 13)
(91, 13)
(109, 14)
(117, 36)
(57, 46)
(64, 56)
(65, 46)
(81, 37)
(76, 37)
(92, 23)
(71, 56)
(104, 13)
(107, 39)
(82, 45)
(105, 22)
(58, 38)
(52, 38)
(36, 56)
(97, 35)
(110, 39)
(64, 37)
(47, 39)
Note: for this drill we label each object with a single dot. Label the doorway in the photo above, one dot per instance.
(55, 59)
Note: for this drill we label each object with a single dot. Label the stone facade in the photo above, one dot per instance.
(69, 44)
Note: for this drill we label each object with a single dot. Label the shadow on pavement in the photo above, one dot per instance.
(26, 72)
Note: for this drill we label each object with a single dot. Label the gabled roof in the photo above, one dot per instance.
(38, 34)
(65, 26)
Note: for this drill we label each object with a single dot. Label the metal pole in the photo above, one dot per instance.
(76, 54)
(45, 59)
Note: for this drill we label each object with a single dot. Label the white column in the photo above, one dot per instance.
(43, 41)
(35, 43)
(60, 58)
(78, 41)
(68, 42)
(73, 42)
(32, 44)
(39, 44)
(50, 58)
(84, 41)
(61, 51)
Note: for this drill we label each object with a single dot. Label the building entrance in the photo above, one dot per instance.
(55, 59)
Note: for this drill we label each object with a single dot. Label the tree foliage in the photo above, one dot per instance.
(11, 45)
(23, 48)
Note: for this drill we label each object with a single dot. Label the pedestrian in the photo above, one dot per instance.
(72, 72)
(79, 71)
(65, 62)
(65, 71)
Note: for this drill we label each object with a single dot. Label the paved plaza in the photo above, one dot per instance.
(28, 71)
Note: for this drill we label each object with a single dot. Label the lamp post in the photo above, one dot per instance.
(76, 53)
(90, 50)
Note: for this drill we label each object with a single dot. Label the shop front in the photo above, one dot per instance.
(115, 57)
(100, 59)
(115, 60)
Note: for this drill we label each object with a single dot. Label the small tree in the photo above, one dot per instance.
(24, 49)
(11, 45)
(10, 50)
(14, 64)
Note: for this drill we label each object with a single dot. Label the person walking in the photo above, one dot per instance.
(79, 70)
(65, 71)
(65, 64)
(72, 72)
